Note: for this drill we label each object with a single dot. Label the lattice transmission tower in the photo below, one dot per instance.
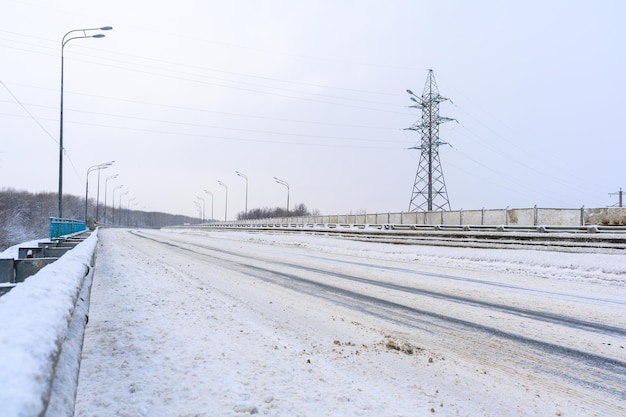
(429, 188)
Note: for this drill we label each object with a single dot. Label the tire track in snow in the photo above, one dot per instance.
(583, 368)
(521, 312)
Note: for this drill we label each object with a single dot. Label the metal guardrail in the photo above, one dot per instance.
(56, 358)
(31, 259)
(567, 238)
(61, 227)
(412, 227)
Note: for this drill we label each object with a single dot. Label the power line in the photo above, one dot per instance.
(108, 60)
(234, 87)
(194, 109)
(255, 50)
(40, 125)
(477, 139)
(547, 156)
(178, 133)
(619, 194)
(29, 113)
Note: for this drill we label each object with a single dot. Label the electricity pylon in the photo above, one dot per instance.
(620, 194)
(429, 188)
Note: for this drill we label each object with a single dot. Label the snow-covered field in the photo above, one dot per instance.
(232, 323)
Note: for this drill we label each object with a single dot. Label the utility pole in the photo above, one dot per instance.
(618, 193)
(429, 187)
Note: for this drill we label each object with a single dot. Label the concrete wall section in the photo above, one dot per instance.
(474, 217)
(610, 216)
(534, 216)
(560, 217)
(495, 217)
(395, 218)
(520, 217)
(409, 218)
(450, 217)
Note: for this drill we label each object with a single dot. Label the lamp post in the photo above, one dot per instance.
(98, 167)
(132, 217)
(242, 175)
(128, 210)
(113, 217)
(106, 183)
(226, 206)
(203, 208)
(98, 190)
(209, 192)
(64, 41)
(199, 210)
(283, 182)
(119, 207)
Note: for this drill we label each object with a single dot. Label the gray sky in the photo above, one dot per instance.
(182, 94)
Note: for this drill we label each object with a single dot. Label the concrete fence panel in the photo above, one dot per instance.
(395, 218)
(409, 218)
(450, 217)
(495, 217)
(432, 217)
(608, 216)
(526, 217)
(473, 217)
(520, 217)
(559, 217)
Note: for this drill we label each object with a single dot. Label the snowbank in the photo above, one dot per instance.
(602, 267)
(36, 318)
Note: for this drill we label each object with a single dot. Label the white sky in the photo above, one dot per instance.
(181, 96)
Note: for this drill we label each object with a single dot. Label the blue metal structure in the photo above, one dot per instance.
(61, 227)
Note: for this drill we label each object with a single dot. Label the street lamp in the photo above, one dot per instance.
(113, 217)
(203, 208)
(128, 210)
(119, 207)
(63, 42)
(98, 167)
(106, 183)
(98, 190)
(199, 210)
(209, 192)
(132, 217)
(245, 178)
(283, 182)
(226, 207)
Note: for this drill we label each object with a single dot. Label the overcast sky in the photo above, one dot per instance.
(182, 94)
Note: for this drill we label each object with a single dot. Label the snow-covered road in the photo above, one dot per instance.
(231, 323)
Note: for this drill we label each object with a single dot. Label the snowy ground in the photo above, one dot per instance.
(41, 332)
(233, 323)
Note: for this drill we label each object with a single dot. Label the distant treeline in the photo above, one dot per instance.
(268, 213)
(24, 215)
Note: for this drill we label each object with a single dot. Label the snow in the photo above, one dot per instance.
(183, 329)
(13, 251)
(35, 322)
(601, 267)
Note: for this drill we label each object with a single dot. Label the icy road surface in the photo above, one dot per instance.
(233, 323)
